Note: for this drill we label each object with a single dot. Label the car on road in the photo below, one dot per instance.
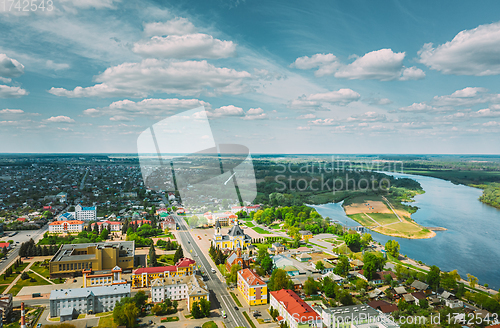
(213, 270)
(236, 308)
(161, 326)
(197, 327)
(223, 313)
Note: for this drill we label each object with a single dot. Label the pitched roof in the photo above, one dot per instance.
(182, 263)
(65, 222)
(295, 306)
(400, 290)
(251, 277)
(417, 284)
(383, 306)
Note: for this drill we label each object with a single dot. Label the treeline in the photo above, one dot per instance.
(29, 248)
(297, 218)
(297, 182)
(491, 195)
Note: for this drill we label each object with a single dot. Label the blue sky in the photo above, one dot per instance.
(278, 77)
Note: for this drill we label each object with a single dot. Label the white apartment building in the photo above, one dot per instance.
(191, 288)
(85, 213)
(73, 226)
(88, 300)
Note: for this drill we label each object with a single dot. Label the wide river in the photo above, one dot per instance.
(472, 242)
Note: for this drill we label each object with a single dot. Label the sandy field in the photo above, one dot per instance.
(371, 206)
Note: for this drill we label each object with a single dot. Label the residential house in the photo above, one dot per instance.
(281, 261)
(190, 288)
(419, 286)
(6, 305)
(276, 248)
(305, 234)
(293, 310)
(252, 287)
(304, 257)
(383, 306)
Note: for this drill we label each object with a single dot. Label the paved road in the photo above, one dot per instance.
(219, 296)
(20, 237)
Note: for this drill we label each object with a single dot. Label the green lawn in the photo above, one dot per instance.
(261, 231)
(171, 319)
(2, 288)
(362, 219)
(209, 324)
(249, 224)
(103, 314)
(274, 226)
(384, 218)
(222, 269)
(23, 283)
(236, 300)
(107, 322)
(44, 271)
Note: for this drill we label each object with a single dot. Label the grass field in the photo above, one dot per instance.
(209, 324)
(261, 231)
(236, 300)
(274, 226)
(249, 320)
(107, 322)
(23, 283)
(249, 224)
(362, 219)
(384, 218)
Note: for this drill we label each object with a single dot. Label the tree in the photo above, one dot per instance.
(392, 248)
(179, 254)
(328, 287)
(310, 286)
(433, 277)
(104, 234)
(205, 307)
(267, 264)
(125, 312)
(140, 299)
(157, 309)
(320, 266)
(152, 256)
(366, 239)
(279, 280)
(233, 275)
(193, 221)
(372, 264)
(472, 280)
(353, 241)
(196, 311)
(342, 267)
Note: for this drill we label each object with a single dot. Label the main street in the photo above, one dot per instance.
(219, 296)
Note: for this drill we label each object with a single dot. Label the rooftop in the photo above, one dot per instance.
(84, 292)
(252, 278)
(295, 305)
(182, 263)
(66, 252)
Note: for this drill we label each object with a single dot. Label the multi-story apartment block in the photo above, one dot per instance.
(143, 277)
(293, 310)
(85, 213)
(74, 226)
(66, 303)
(71, 260)
(252, 287)
(191, 288)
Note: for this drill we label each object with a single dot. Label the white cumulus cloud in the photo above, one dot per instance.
(12, 92)
(11, 111)
(186, 46)
(383, 65)
(10, 67)
(471, 52)
(60, 119)
(153, 75)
